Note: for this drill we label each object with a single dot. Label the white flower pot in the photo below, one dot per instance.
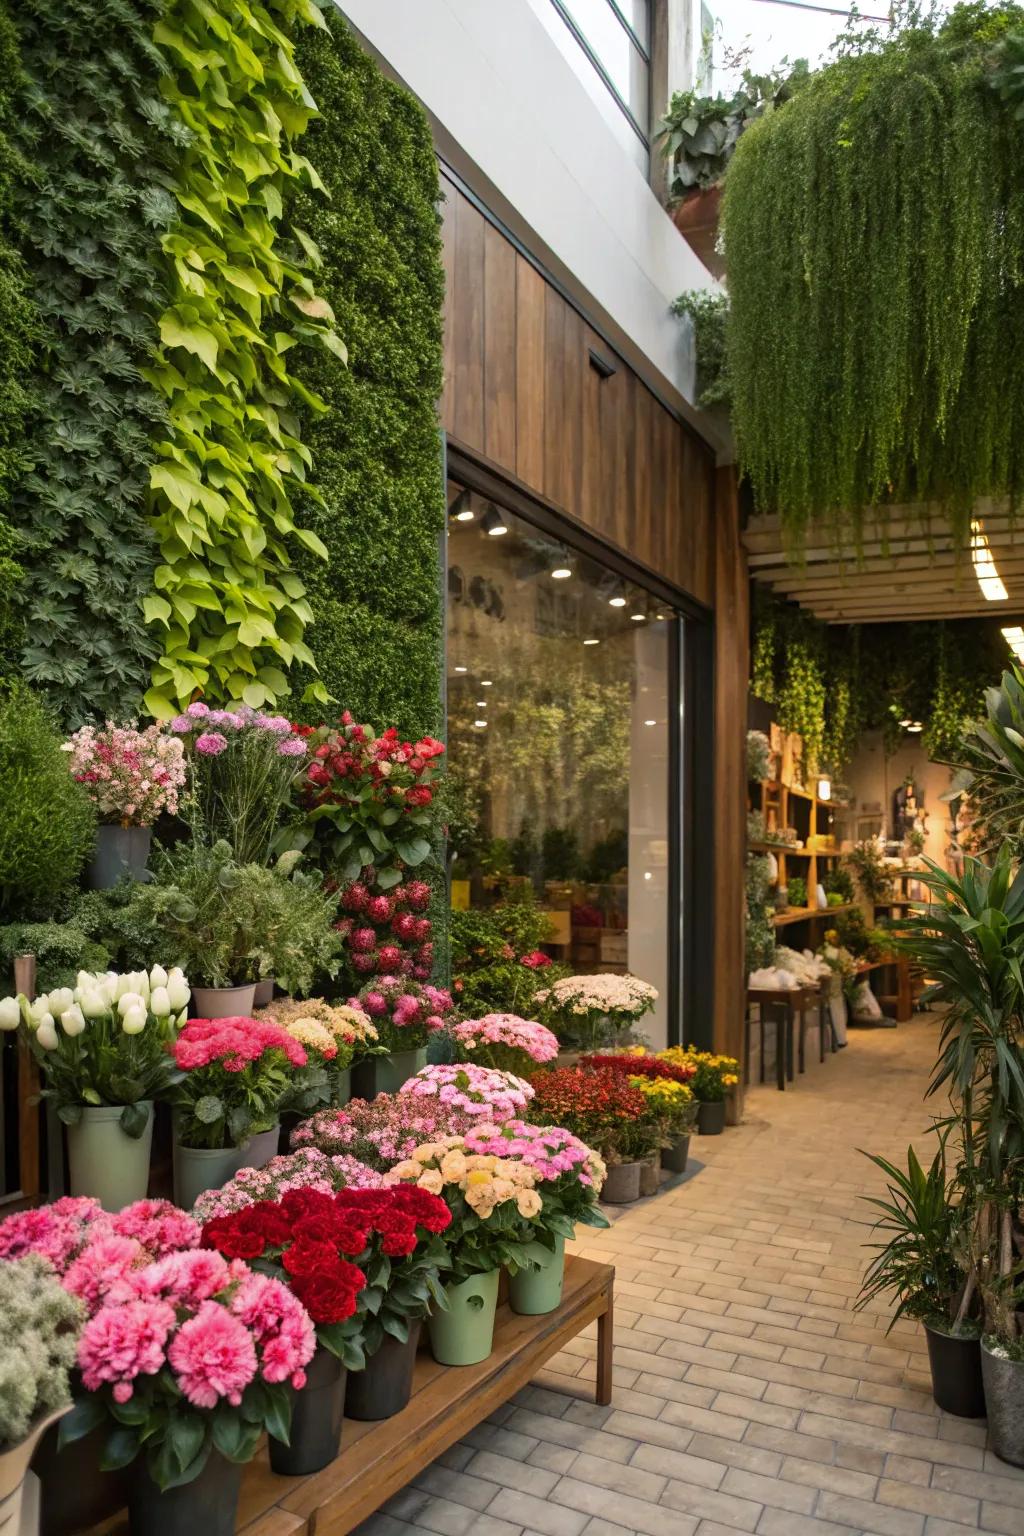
(224, 1002)
(19, 1488)
(104, 1162)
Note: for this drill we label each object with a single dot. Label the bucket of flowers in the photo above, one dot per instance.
(318, 1024)
(570, 1177)
(103, 1048)
(670, 1105)
(587, 1012)
(365, 1264)
(714, 1075)
(235, 1075)
(405, 1013)
(504, 1041)
(306, 1168)
(604, 1109)
(380, 1132)
(131, 777)
(481, 1093)
(494, 1204)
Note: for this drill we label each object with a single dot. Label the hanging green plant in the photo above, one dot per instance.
(874, 233)
(801, 700)
(91, 203)
(228, 606)
(709, 315)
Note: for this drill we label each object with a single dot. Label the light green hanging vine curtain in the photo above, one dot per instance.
(874, 234)
(230, 609)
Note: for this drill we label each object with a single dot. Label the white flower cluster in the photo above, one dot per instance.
(132, 997)
(601, 994)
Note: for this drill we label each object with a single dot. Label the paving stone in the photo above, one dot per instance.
(635, 1514)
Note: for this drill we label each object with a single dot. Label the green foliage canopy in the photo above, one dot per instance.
(874, 233)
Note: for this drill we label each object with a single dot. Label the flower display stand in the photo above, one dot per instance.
(378, 1458)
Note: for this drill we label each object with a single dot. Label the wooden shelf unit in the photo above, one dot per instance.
(810, 816)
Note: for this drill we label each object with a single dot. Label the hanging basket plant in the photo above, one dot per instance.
(874, 234)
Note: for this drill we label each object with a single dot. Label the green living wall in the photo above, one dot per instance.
(220, 356)
(376, 600)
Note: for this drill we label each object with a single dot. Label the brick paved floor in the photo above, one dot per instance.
(749, 1395)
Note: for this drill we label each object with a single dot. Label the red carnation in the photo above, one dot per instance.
(306, 1257)
(326, 1297)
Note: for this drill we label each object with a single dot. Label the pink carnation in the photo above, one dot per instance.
(281, 1326)
(104, 1271)
(213, 1356)
(158, 1225)
(56, 1232)
(233, 1044)
(211, 743)
(122, 1342)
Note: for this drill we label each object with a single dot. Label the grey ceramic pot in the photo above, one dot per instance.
(119, 851)
(1004, 1400)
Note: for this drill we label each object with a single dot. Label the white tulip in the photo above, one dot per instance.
(122, 984)
(178, 991)
(93, 1003)
(141, 979)
(158, 976)
(134, 1020)
(182, 1018)
(10, 1013)
(159, 1003)
(72, 1020)
(61, 999)
(46, 1034)
(128, 1000)
(85, 981)
(39, 1010)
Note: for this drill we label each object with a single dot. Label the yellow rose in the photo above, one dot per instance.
(453, 1165)
(529, 1203)
(432, 1181)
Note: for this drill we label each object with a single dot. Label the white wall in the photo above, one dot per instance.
(515, 122)
(873, 778)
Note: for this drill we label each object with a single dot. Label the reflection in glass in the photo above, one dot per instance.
(559, 706)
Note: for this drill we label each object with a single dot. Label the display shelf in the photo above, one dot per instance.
(805, 914)
(379, 1458)
(811, 820)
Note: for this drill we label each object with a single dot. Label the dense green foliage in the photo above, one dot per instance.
(833, 682)
(709, 315)
(992, 756)
(698, 134)
(874, 233)
(94, 133)
(240, 297)
(48, 824)
(377, 451)
(61, 951)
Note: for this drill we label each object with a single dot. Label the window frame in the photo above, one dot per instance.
(599, 69)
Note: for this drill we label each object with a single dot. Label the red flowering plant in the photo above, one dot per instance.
(236, 1076)
(386, 932)
(599, 1106)
(638, 1063)
(404, 1012)
(364, 1262)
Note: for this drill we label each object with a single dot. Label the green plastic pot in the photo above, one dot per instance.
(534, 1291)
(464, 1335)
(386, 1074)
(104, 1162)
(343, 1090)
(197, 1169)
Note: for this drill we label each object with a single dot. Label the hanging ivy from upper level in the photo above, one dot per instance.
(874, 234)
(228, 607)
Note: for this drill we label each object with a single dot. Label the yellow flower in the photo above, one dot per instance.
(453, 1165)
(478, 1178)
(529, 1203)
(431, 1180)
(408, 1169)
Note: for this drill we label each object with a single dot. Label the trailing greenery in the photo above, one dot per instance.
(230, 610)
(17, 322)
(91, 205)
(709, 314)
(377, 599)
(760, 930)
(874, 233)
(48, 824)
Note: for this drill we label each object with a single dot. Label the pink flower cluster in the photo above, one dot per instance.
(476, 1091)
(307, 1168)
(211, 725)
(405, 1004)
(507, 1029)
(128, 774)
(61, 1231)
(233, 1044)
(217, 1325)
(548, 1149)
(380, 1133)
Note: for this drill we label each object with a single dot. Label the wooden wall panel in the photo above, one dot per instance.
(519, 389)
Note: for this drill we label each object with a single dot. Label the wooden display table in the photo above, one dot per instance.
(377, 1459)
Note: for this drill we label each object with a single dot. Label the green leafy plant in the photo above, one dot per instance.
(48, 825)
(376, 600)
(760, 940)
(699, 134)
(487, 954)
(867, 862)
(759, 756)
(91, 204)
(991, 753)
(708, 313)
(61, 951)
(874, 231)
(838, 881)
(797, 888)
(39, 1326)
(229, 607)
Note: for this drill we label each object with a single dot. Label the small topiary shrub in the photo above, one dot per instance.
(48, 825)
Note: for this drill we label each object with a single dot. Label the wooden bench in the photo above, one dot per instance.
(377, 1459)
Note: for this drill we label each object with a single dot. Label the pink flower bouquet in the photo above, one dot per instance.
(307, 1168)
(478, 1092)
(188, 1355)
(235, 1077)
(63, 1231)
(381, 1132)
(131, 776)
(570, 1173)
(404, 1011)
(505, 1041)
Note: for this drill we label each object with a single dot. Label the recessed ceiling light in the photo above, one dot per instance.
(561, 573)
(485, 682)
(659, 615)
(650, 722)
(617, 602)
(462, 669)
(648, 875)
(905, 723)
(591, 642)
(638, 618)
(481, 703)
(989, 580)
(481, 725)
(915, 727)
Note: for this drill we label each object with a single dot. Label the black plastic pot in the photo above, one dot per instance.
(383, 1387)
(711, 1118)
(673, 1158)
(316, 1419)
(74, 1494)
(957, 1385)
(208, 1504)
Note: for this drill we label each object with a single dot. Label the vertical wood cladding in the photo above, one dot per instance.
(519, 389)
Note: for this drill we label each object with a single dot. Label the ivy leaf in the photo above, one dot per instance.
(196, 339)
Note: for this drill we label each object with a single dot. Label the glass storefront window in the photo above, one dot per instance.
(559, 705)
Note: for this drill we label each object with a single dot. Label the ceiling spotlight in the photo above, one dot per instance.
(481, 725)
(650, 722)
(905, 724)
(1014, 637)
(485, 682)
(460, 509)
(989, 579)
(914, 727)
(659, 616)
(561, 573)
(639, 618)
(493, 523)
(462, 669)
(591, 642)
(618, 598)
(481, 703)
